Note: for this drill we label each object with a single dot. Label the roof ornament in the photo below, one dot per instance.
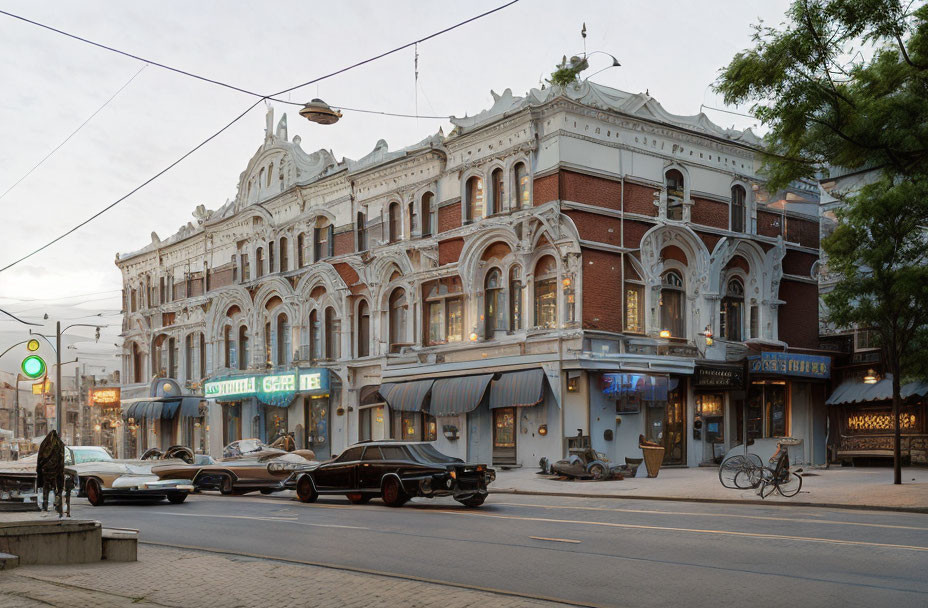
(568, 73)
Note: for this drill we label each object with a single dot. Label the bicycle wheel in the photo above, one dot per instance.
(791, 486)
(755, 460)
(729, 469)
(743, 480)
(768, 487)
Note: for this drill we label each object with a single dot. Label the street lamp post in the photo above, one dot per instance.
(57, 347)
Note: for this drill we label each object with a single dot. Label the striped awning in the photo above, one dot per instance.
(152, 409)
(455, 396)
(518, 389)
(406, 396)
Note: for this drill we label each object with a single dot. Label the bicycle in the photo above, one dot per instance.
(731, 467)
(767, 481)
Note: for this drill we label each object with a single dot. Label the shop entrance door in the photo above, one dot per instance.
(666, 420)
(316, 412)
(504, 435)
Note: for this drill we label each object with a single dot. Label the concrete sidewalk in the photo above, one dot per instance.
(167, 576)
(857, 488)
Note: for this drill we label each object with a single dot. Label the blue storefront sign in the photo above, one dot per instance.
(272, 389)
(790, 364)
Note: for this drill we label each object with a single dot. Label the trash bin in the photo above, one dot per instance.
(653, 457)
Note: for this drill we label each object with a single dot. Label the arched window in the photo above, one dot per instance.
(523, 192)
(496, 202)
(731, 314)
(673, 180)
(361, 227)
(301, 250)
(673, 304)
(283, 339)
(397, 319)
(271, 266)
(364, 329)
(546, 293)
(284, 255)
(323, 239)
(172, 358)
(634, 299)
(738, 196)
(136, 363)
(473, 199)
(315, 335)
(515, 298)
(228, 347)
(243, 347)
(259, 262)
(494, 303)
(393, 220)
(412, 218)
(427, 213)
(331, 334)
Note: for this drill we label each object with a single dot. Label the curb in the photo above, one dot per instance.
(727, 501)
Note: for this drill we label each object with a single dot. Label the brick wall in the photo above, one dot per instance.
(634, 231)
(602, 290)
(449, 251)
(640, 199)
(347, 273)
(798, 318)
(449, 217)
(590, 190)
(804, 232)
(344, 242)
(765, 221)
(709, 213)
(798, 262)
(220, 276)
(672, 252)
(593, 227)
(711, 240)
(545, 189)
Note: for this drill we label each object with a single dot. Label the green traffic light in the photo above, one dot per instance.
(33, 366)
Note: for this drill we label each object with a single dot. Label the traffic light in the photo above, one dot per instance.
(34, 367)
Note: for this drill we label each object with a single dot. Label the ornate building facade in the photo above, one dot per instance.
(576, 265)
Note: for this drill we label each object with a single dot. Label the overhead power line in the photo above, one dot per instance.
(273, 97)
(73, 133)
(71, 297)
(233, 121)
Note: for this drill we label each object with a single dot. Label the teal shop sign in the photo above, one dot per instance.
(272, 389)
(789, 364)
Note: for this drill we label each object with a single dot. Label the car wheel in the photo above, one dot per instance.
(305, 491)
(393, 494)
(267, 491)
(225, 486)
(358, 498)
(597, 470)
(94, 492)
(175, 498)
(473, 501)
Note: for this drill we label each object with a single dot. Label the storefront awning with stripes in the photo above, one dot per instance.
(152, 409)
(406, 396)
(456, 396)
(518, 389)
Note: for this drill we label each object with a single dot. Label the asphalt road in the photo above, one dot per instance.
(582, 551)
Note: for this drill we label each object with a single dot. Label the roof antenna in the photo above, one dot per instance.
(583, 35)
(416, 83)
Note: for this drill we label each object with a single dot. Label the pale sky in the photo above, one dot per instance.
(50, 84)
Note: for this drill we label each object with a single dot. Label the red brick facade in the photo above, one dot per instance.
(590, 190)
(769, 224)
(449, 217)
(598, 228)
(709, 213)
(344, 242)
(798, 263)
(347, 273)
(798, 317)
(602, 290)
(640, 199)
(545, 189)
(449, 251)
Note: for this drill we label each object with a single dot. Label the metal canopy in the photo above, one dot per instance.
(152, 409)
(455, 396)
(853, 391)
(406, 396)
(518, 389)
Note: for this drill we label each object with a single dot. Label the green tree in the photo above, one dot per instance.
(844, 83)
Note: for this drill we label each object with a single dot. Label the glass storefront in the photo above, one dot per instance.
(767, 410)
(663, 401)
(231, 422)
(317, 414)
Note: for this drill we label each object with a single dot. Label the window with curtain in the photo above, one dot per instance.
(494, 300)
(331, 334)
(672, 304)
(546, 293)
(243, 347)
(397, 318)
(315, 335)
(364, 329)
(515, 298)
(523, 191)
(673, 181)
(738, 196)
(284, 255)
(473, 199)
(427, 213)
(496, 201)
(283, 339)
(361, 228)
(259, 262)
(634, 300)
(731, 313)
(393, 221)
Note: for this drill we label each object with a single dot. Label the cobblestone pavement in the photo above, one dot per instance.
(174, 577)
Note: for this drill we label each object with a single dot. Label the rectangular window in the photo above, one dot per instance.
(371, 423)
(435, 322)
(246, 269)
(634, 308)
(865, 339)
(767, 410)
(755, 322)
(546, 303)
(454, 319)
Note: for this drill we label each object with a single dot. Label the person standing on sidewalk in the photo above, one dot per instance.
(49, 469)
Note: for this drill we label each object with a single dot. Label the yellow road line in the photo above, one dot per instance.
(556, 540)
(810, 539)
(723, 515)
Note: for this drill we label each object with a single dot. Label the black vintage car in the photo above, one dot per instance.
(395, 471)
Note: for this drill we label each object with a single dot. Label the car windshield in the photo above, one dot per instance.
(83, 454)
(244, 446)
(424, 452)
